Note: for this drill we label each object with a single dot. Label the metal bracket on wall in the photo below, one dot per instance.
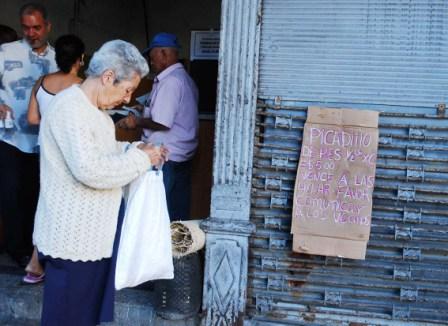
(415, 153)
(263, 304)
(386, 140)
(273, 183)
(333, 297)
(441, 109)
(269, 263)
(419, 132)
(412, 254)
(277, 101)
(406, 193)
(278, 201)
(402, 273)
(416, 174)
(282, 122)
(272, 223)
(403, 232)
(407, 294)
(276, 243)
(276, 283)
(280, 161)
(412, 216)
(401, 313)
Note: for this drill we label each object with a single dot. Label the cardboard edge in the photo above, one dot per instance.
(343, 117)
(325, 246)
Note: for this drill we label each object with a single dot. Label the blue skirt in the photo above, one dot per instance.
(80, 293)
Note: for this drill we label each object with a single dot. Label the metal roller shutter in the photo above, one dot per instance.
(355, 51)
(403, 280)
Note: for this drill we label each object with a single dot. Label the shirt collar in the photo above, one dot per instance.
(167, 71)
(42, 54)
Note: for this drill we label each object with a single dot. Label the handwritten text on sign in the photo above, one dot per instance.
(336, 175)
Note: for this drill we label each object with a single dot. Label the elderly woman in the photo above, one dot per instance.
(83, 170)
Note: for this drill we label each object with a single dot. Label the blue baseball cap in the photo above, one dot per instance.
(163, 40)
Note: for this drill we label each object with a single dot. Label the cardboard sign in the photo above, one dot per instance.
(335, 178)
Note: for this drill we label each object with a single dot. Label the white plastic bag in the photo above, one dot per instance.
(144, 252)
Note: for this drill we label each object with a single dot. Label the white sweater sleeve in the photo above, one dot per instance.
(85, 145)
(123, 146)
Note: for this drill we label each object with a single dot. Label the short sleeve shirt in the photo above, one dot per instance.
(173, 102)
(20, 67)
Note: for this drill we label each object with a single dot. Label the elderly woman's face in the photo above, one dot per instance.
(115, 94)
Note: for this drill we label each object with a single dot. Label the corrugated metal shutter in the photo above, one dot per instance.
(402, 71)
(355, 51)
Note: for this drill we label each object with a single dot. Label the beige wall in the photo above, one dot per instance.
(102, 20)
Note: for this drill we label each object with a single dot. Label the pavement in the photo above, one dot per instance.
(20, 304)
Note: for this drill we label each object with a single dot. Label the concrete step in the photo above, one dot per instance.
(20, 305)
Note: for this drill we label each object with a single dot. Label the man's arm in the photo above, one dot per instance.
(147, 123)
(33, 114)
(165, 108)
(132, 122)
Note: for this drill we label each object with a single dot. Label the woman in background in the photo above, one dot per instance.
(69, 58)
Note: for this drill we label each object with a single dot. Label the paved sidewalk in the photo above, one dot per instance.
(20, 304)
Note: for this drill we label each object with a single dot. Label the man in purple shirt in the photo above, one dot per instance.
(170, 117)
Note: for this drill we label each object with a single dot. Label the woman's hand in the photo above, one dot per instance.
(157, 154)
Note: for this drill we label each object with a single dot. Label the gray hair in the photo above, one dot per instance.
(30, 8)
(123, 58)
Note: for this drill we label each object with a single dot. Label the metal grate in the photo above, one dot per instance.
(405, 274)
(389, 56)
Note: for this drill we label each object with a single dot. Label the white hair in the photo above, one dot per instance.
(123, 58)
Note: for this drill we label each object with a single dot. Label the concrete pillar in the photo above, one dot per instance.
(228, 228)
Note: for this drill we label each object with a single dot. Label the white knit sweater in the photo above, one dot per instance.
(82, 170)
